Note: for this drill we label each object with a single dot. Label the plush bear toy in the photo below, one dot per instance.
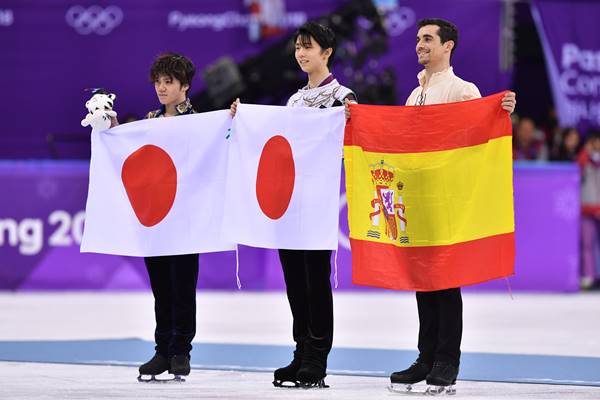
(100, 110)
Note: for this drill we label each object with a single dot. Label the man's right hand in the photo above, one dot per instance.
(233, 108)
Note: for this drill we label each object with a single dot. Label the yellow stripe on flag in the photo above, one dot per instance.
(432, 198)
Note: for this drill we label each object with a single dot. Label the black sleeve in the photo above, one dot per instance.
(350, 97)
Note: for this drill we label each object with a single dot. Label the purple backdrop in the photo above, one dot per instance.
(568, 30)
(478, 55)
(54, 49)
(41, 219)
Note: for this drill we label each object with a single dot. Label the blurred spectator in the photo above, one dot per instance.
(567, 145)
(552, 131)
(589, 163)
(528, 142)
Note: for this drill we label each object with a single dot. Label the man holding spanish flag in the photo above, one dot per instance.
(430, 198)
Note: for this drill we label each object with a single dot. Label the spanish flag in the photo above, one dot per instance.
(430, 195)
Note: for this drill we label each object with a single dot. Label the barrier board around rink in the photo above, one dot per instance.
(42, 216)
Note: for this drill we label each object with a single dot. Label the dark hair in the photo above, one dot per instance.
(564, 154)
(565, 131)
(524, 118)
(446, 30)
(322, 34)
(175, 66)
(592, 134)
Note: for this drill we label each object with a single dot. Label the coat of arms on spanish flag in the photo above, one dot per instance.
(430, 194)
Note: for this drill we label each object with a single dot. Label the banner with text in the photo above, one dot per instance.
(42, 216)
(572, 50)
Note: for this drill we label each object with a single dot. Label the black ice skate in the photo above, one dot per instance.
(180, 366)
(403, 381)
(313, 369)
(286, 376)
(156, 366)
(312, 376)
(442, 378)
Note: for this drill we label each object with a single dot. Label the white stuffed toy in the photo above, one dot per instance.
(100, 110)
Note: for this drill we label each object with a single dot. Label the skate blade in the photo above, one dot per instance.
(313, 385)
(406, 389)
(154, 379)
(440, 390)
(286, 384)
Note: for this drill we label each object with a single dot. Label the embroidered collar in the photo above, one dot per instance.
(324, 82)
(447, 72)
(182, 108)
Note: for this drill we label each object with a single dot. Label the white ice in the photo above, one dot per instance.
(550, 324)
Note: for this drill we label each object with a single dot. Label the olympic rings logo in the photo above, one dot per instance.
(94, 19)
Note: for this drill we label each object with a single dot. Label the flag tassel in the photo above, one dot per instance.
(237, 268)
(335, 266)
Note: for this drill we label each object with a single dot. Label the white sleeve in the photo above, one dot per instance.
(470, 92)
(412, 98)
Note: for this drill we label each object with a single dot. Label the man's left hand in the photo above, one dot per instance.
(509, 101)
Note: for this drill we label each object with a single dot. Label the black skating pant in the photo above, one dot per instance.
(440, 326)
(173, 280)
(306, 274)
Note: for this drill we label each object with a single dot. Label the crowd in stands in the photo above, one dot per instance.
(551, 143)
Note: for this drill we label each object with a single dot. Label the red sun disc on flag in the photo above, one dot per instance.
(150, 179)
(275, 177)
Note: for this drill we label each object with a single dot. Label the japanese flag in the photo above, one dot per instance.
(156, 187)
(284, 177)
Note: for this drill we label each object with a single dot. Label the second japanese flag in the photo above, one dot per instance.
(283, 179)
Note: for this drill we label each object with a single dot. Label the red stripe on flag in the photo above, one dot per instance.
(590, 211)
(416, 129)
(432, 267)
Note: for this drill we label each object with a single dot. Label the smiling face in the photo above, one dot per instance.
(169, 90)
(311, 57)
(430, 49)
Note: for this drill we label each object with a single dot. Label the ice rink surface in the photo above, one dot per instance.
(527, 324)
(58, 381)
